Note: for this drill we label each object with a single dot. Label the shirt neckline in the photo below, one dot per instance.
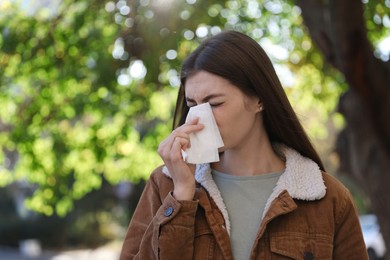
(243, 178)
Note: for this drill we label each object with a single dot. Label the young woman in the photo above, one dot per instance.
(268, 197)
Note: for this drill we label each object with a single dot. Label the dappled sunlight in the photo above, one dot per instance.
(87, 93)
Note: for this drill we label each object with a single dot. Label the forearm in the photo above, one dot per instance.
(161, 231)
(176, 224)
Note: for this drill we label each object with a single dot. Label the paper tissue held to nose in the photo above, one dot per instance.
(204, 143)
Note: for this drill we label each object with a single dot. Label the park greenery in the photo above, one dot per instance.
(87, 88)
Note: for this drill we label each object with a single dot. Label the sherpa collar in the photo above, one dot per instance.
(302, 179)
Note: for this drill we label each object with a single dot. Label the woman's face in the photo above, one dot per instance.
(236, 114)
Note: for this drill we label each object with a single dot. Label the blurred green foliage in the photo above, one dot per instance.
(87, 90)
(63, 110)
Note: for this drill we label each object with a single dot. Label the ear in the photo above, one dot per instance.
(260, 106)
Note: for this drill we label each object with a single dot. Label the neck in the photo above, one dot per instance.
(258, 158)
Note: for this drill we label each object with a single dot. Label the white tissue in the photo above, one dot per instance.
(204, 143)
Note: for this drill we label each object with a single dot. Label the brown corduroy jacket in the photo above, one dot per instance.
(309, 215)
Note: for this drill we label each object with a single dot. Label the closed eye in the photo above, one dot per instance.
(216, 104)
(189, 105)
(209, 98)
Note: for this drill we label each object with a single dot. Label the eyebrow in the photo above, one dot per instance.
(205, 99)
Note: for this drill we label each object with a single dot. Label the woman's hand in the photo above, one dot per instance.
(170, 151)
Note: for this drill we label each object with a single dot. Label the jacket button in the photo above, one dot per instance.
(168, 211)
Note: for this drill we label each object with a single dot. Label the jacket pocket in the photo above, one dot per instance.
(204, 244)
(305, 246)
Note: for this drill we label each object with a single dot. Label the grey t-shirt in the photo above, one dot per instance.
(245, 198)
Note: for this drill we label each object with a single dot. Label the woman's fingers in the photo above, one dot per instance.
(178, 145)
(170, 151)
(189, 127)
(182, 134)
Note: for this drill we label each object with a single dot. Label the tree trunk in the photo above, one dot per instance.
(338, 30)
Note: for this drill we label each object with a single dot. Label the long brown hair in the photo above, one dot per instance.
(241, 60)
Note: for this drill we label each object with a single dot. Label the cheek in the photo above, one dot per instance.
(218, 118)
(226, 118)
(224, 124)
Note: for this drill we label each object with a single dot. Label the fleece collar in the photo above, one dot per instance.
(302, 179)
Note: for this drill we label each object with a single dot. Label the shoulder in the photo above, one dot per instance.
(160, 181)
(158, 175)
(334, 187)
(339, 197)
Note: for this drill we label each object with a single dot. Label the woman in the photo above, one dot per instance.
(268, 197)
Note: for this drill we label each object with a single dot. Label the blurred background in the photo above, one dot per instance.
(87, 91)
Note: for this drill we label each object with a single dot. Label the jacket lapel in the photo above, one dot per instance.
(302, 179)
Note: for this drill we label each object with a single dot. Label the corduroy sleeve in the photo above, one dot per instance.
(161, 227)
(348, 239)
